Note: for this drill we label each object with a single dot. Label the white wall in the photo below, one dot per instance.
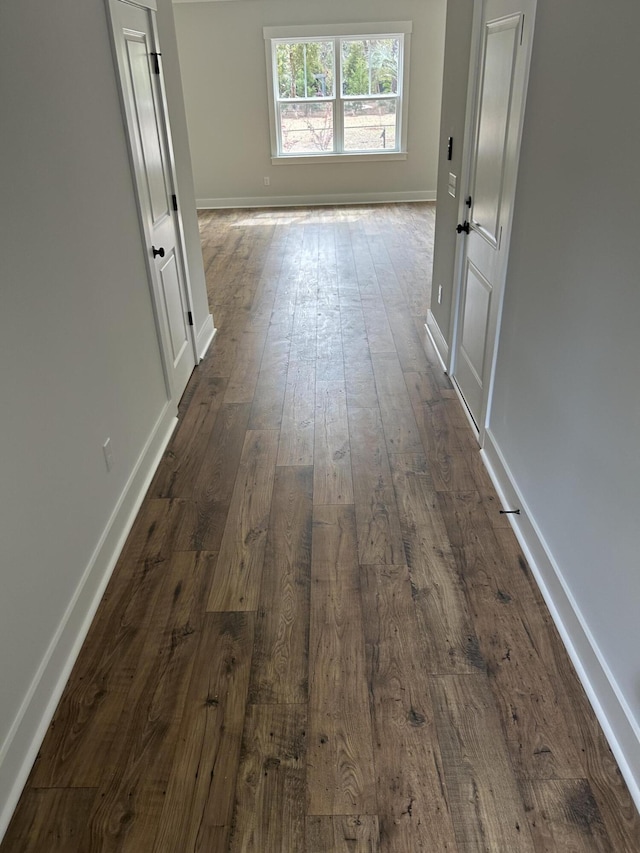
(566, 410)
(222, 56)
(80, 359)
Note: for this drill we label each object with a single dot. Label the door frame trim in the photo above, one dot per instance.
(464, 182)
(460, 254)
(163, 343)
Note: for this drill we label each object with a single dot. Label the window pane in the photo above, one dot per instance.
(305, 69)
(355, 67)
(370, 125)
(370, 66)
(306, 128)
(384, 66)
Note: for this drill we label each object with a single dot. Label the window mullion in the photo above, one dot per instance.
(399, 98)
(338, 112)
(304, 61)
(279, 127)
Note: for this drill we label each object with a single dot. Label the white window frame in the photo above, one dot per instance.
(388, 29)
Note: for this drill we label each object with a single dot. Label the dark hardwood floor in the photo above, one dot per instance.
(321, 636)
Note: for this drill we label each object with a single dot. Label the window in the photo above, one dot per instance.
(338, 92)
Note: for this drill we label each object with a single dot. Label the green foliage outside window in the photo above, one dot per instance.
(305, 69)
(369, 66)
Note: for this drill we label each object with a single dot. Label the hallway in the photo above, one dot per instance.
(321, 635)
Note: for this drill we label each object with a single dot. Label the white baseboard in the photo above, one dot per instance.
(608, 702)
(315, 200)
(204, 337)
(437, 339)
(27, 732)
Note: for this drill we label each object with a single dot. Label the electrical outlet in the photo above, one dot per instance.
(439, 294)
(108, 454)
(267, 182)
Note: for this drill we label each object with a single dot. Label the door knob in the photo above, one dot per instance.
(464, 227)
(157, 252)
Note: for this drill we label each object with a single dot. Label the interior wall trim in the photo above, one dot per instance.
(205, 336)
(315, 200)
(438, 340)
(608, 702)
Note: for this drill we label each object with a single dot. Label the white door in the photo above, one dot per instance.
(499, 86)
(139, 64)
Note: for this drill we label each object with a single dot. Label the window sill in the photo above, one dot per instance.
(313, 159)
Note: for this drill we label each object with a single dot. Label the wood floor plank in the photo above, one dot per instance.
(414, 275)
(182, 460)
(359, 377)
(280, 667)
(379, 534)
(355, 343)
(448, 465)
(563, 815)
(332, 482)
(136, 772)
(400, 427)
(376, 236)
(32, 829)
(361, 388)
(329, 357)
(342, 834)
(238, 572)
(270, 788)
(198, 806)
(246, 367)
(412, 800)
(619, 814)
(305, 324)
(441, 606)
(225, 345)
(297, 429)
(390, 290)
(261, 311)
(85, 725)
(486, 807)
(466, 437)
(539, 736)
(409, 340)
(340, 769)
(204, 522)
(268, 399)
(421, 388)
(366, 273)
(379, 332)
(202, 526)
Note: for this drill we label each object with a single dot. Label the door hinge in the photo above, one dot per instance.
(190, 317)
(522, 30)
(156, 63)
(174, 201)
